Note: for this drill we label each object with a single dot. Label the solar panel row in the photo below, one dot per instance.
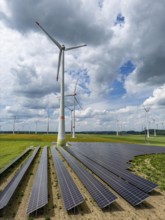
(39, 195)
(14, 161)
(69, 191)
(129, 192)
(98, 191)
(141, 183)
(9, 190)
(114, 157)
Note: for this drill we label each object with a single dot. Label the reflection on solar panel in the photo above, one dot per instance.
(9, 190)
(69, 191)
(141, 183)
(129, 192)
(16, 159)
(39, 195)
(98, 191)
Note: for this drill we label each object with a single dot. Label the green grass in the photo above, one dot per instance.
(13, 145)
(152, 167)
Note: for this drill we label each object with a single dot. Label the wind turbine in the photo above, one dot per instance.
(154, 127)
(14, 124)
(61, 129)
(74, 106)
(147, 109)
(117, 130)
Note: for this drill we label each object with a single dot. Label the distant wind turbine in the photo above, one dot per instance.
(147, 109)
(74, 107)
(14, 124)
(61, 129)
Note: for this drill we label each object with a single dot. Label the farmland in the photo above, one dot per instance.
(149, 166)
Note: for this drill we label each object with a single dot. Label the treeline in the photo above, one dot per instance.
(131, 132)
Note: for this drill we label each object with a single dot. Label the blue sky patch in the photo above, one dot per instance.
(118, 85)
(127, 68)
(120, 20)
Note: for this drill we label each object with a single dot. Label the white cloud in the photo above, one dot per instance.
(29, 59)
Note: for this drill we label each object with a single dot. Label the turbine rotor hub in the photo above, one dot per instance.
(63, 47)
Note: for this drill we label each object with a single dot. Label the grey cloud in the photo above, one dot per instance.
(31, 84)
(70, 22)
(153, 70)
(148, 25)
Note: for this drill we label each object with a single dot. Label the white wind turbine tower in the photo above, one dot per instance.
(61, 129)
(154, 127)
(117, 127)
(74, 106)
(147, 109)
(71, 120)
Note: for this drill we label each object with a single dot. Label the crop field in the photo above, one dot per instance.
(151, 167)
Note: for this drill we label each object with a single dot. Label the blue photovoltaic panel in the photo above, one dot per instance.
(98, 191)
(69, 191)
(39, 195)
(9, 190)
(141, 183)
(114, 157)
(129, 192)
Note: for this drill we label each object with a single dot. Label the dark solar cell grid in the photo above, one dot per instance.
(39, 195)
(69, 191)
(114, 157)
(129, 192)
(98, 191)
(9, 190)
(141, 183)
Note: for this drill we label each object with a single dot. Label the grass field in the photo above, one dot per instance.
(12, 145)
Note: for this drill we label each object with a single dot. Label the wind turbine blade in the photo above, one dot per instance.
(56, 42)
(69, 95)
(71, 48)
(78, 102)
(59, 62)
(76, 85)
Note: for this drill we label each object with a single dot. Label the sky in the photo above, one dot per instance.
(121, 71)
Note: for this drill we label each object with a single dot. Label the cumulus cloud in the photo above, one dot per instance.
(158, 97)
(29, 59)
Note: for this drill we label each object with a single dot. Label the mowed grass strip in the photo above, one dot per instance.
(12, 145)
(152, 167)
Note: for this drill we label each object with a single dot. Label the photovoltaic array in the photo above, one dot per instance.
(130, 193)
(39, 195)
(69, 191)
(109, 161)
(9, 190)
(98, 191)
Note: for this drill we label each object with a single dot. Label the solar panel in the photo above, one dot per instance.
(114, 157)
(141, 183)
(39, 195)
(129, 192)
(9, 190)
(69, 191)
(14, 161)
(98, 191)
